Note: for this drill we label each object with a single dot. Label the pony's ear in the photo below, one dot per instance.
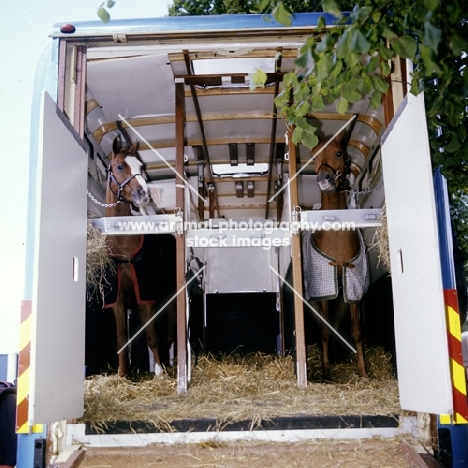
(115, 145)
(134, 147)
(340, 137)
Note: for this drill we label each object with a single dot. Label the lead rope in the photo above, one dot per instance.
(105, 205)
(354, 194)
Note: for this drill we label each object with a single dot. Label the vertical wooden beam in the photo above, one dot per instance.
(387, 102)
(301, 362)
(62, 66)
(79, 110)
(273, 132)
(180, 238)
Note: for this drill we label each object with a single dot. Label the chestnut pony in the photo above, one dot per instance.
(342, 247)
(126, 187)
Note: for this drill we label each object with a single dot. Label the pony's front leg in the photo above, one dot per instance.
(120, 315)
(357, 332)
(146, 315)
(325, 335)
(171, 311)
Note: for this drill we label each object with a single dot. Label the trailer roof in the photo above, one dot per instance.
(132, 68)
(203, 23)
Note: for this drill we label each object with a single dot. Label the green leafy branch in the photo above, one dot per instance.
(352, 60)
(102, 12)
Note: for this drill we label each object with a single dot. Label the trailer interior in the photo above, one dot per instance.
(222, 170)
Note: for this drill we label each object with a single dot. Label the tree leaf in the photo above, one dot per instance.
(323, 66)
(365, 85)
(385, 53)
(317, 103)
(405, 46)
(330, 6)
(342, 106)
(453, 146)
(289, 79)
(431, 4)
(283, 98)
(376, 16)
(372, 64)
(359, 43)
(465, 82)
(310, 139)
(430, 59)
(258, 78)
(376, 99)
(432, 35)
(387, 33)
(385, 68)
(343, 47)
(103, 15)
(110, 3)
(302, 61)
(297, 135)
(459, 45)
(263, 5)
(321, 23)
(352, 95)
(302, 109)
(353, 59)
(282, 15)
(338, 67)
(379, 84)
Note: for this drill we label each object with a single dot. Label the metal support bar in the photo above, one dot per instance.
(211, 199)
(233, 154)
(180, 239)
(341, 219)
(273, 133)
(196, 105)
(125, 225)
(240, 189)
(250, 189)
(250, 150)
(198, 150)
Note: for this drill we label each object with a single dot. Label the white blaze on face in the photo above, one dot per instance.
(140, 196)
(135, 168)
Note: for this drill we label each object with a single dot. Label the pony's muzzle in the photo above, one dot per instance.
(140, 197)
(326, 183)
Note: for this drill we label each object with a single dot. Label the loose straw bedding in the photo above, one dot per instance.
(235, 388)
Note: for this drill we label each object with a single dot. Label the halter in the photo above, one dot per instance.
(120, 187)
(338, 175)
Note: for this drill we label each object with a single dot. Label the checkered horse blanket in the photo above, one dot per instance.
(321, 278)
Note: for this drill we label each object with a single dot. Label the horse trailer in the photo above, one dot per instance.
(230, 195)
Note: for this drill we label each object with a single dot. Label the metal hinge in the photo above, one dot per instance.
(295, 219)
(179, 220)
(119, 38)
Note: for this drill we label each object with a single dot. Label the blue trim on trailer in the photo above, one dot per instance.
(190, 23)
(31, 448)
(452, 438)
(445, 231)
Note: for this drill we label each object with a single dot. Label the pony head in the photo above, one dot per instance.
(127, 179)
